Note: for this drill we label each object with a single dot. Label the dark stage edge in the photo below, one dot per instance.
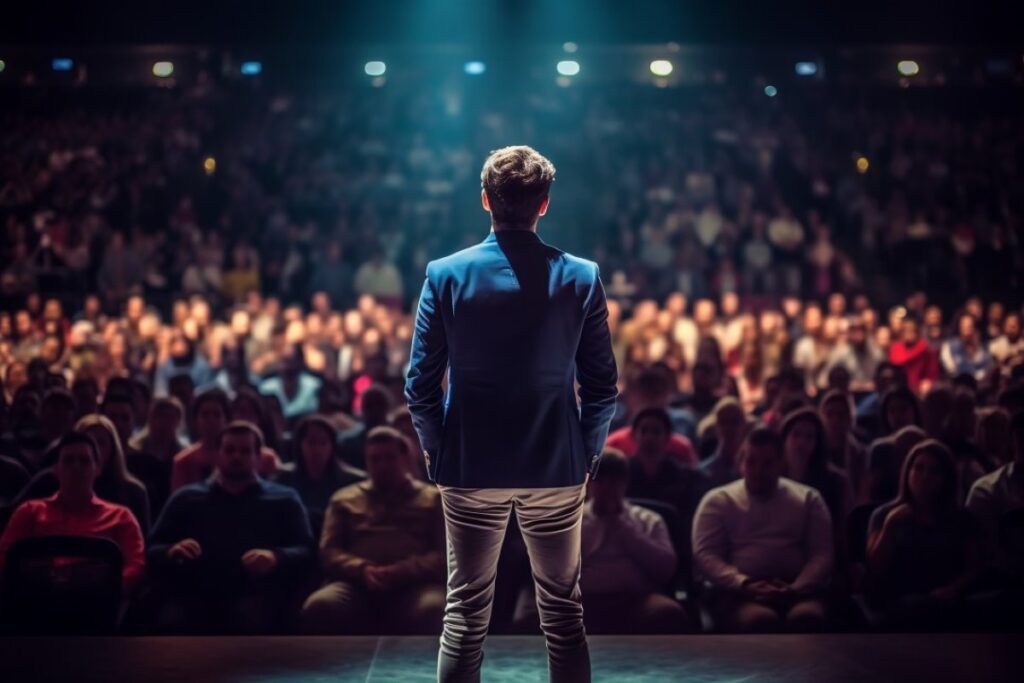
(519, 659)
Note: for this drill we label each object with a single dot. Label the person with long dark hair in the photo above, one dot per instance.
(923, 553)
(315, 471)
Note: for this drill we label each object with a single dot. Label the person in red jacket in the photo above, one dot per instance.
(75, 510)
(912, 353)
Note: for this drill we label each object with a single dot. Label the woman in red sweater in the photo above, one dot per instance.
(912, 353)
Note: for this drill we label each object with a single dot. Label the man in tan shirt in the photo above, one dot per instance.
(381, 550)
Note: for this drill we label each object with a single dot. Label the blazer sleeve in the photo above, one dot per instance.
(596, 374)
(428, 360)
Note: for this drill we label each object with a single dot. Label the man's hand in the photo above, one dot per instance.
(187, 550)
(767, 590)
(259, 562)
(379, 577)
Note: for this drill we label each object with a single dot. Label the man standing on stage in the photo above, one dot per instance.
(515, 321)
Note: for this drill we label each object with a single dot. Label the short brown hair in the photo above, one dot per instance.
(238, 427)
(386, 435)
(516, 180)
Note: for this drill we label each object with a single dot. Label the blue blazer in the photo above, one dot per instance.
(515, 321)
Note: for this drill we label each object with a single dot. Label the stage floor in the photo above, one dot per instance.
(870, 658)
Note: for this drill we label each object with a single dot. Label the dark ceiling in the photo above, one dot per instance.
(826, 22)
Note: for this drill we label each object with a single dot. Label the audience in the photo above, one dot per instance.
(113, 482)
(994, 495)
(764, 544)
(210, 413)
(923, 553)
(628, 560)
(282, 286)
(731, 427)
(653, 473)
(381, 550)
(76, 510)
(315, 472)
(230, 548)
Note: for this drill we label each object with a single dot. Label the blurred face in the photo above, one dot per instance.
(730, 304)
(52, 310)
(899, 413)
(836, 415)
(704, 312)
(799, 445)
(730, 424)
(104, 444)
(812, 320)
(965, 327)
(237, 457)
(316, 449)
(387, 465)
(210, 419)
(134, 308)
(76, 468)
(1012, 327)
(837, 304)
(240, 323)
(909, 333)
(123, 417)
(165, 421)
(761, 467)
(50, 350)
(17, 376)
(926, 478)
(22, 323)
(651, 437)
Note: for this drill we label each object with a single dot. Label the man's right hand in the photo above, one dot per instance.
(766, 589)
(184, 551)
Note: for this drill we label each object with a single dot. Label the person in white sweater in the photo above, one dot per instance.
(627, 560)
(764, 544)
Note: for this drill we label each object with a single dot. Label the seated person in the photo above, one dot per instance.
(210, 412)
(315, 472)
(651, 388)
(231, 547)
(153, 473)
(722, 466)
(113, 484)
(807, 462)
(923, 555)
(998, 493)
(628, 560)
(382, 550)
(654, 473)
(75, 510)
(764, 543)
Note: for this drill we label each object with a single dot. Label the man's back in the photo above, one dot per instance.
(516, 320)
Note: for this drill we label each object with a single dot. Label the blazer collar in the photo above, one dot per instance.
(513, 237)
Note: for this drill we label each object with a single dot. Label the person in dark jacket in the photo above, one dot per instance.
(230, 547)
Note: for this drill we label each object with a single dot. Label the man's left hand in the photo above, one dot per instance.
(259, 562)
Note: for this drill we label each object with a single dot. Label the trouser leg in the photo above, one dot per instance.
(475, 521)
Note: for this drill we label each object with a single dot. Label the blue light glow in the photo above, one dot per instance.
(251, 68)
(806, 68)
